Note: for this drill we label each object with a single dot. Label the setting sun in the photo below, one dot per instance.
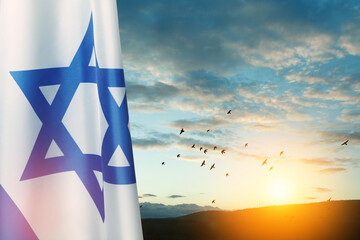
(279, 190)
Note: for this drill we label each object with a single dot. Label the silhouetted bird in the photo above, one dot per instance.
(182, 130)
(223, 151)
(281, 153)
(212, 166)
(265, 162)
(345, 143)
(178, 155)
(215, 147)
(229, 112)
(205, 151)
(203, 163)
(246, 144)
(227, 174)
(213, 201)
(163, 163)
(201, 148)
(208, 130)
(193, 146)
(271, 168)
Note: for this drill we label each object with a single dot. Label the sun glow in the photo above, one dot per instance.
(279, 190)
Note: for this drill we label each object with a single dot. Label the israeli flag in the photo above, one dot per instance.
(66, 160)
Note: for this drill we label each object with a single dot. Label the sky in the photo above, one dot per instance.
(289, 72)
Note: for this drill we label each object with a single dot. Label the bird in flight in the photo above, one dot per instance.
(265, 162)
(212, 166)
(345, 143)
(208, 130)
(227, 174)
(163, 163)
(181, 131)
(281, 153)
(193, 146)
(203, 163)
(178, 155)
(201, 148)
(215, 147)
(223, 151)
(246, 144)
(229, 112)
(205, 151)
(271, 168)
(213, 201)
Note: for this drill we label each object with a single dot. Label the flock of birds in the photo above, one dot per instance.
(223, 151)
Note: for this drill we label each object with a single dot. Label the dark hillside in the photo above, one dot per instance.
(314, 221)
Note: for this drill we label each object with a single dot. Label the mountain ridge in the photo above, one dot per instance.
(321, 220)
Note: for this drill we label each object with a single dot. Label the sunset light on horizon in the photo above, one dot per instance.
(287, 70)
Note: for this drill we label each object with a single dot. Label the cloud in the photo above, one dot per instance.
(348, 115)
(151, 97)
(308, 79)
(147, 195)
(193, 158)
(349, 39)
(145, 107)
(345, 160)
(263, 127)
(321, 189)
(253, 116)
(278, 54)
(150, 142)
(333, 94)
(311, 198)
(157, 210)
(317, 161)
(176, 196)
(186, 143)
(276, 105)
(201, 92)
(348, 160)
(144, 139)
(158, 91)
(168, 25)
(207, 81)
(196, 64)
(240, 155)
(328, 171)
(180, 35)
(197, 124)
(298, 116)
(339, 136)
(338, 163)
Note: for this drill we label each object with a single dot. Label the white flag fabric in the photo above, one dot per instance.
(66, 160)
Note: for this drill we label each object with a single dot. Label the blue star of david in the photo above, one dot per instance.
(51, 115)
